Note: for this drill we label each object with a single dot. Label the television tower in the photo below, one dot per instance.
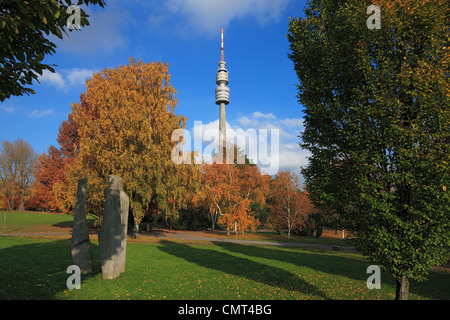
(222, 96)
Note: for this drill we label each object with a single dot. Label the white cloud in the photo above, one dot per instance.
(66, 78)
(247, 122)
(78, 76)
(40, 114)
(7, 109)
(211, 15)
(258, 114)
(291, 123)
(289, 127)
(292, 157)
(52, 79)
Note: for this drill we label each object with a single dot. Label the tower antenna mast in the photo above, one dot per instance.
(221, 48)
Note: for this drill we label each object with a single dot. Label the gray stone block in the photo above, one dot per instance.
(112, 238)
(80, 245)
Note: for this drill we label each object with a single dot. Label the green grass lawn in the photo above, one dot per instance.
(35, 268)
(34, 222)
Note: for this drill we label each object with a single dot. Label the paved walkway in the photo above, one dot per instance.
(202, 236)
(193, 235)
(35, 234)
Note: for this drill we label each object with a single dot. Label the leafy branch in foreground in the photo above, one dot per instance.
(24, 30)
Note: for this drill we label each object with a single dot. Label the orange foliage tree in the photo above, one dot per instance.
(290, 205)
(51, 188)
(48, 170)
(125, 129)
(228, 190)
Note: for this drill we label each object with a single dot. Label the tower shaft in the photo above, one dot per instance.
(222, 95)
(222, 126)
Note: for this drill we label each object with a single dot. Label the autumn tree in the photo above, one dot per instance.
(8, 175)
(377, 117)
(230, 188)
(125, 129)
(49, 168)
(290, 205)
(68, 140)
(17, 161)
(51, 188)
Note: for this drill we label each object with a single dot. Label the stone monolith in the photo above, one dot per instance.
(112, 238)
(80, 245)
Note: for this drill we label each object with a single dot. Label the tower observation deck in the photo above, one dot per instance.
(222, 94)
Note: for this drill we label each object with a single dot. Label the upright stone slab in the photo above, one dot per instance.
(124, 205)
(112, 238)
(80, 245)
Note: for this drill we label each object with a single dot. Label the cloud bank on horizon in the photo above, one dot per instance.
(269, 142)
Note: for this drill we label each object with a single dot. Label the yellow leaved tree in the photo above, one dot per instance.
(125, 129)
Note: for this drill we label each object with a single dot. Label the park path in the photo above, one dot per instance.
(202, 236)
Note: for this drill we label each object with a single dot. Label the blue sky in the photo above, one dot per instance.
(186, 34)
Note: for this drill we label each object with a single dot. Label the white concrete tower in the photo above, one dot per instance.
(222, 96)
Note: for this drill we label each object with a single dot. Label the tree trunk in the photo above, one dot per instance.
(9, 204)
(21, 205)
(402, 290)
(135, 232)
(289, 233)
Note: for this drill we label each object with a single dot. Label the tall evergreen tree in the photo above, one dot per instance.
(377, 118)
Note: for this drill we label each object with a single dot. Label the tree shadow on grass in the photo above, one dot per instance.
(69, 223)
(64, 225)
(339, 263)
(344, 264)
(249, 269)
(38, 270)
